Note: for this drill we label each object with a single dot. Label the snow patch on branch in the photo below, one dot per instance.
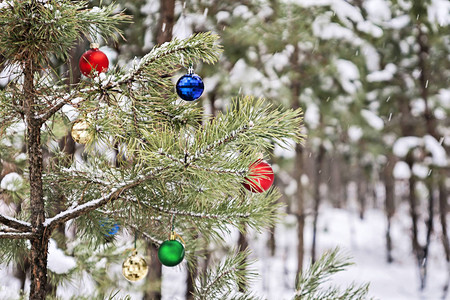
(11, 182)
(58, 262)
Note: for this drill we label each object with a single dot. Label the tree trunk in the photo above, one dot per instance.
(361, 192)
(429, 224)
(298, 172)
(317, 181)
(39, 245)
(298, 168)
(389, 186)
(443, 209)
(153, 288)
(243, 244)
(166, 21)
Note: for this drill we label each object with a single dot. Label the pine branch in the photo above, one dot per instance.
(202, 45)
(84, 208)
(224, 281)
(16, 235)
(146, 235)
(310, 281)
(225, 217)
(16, 224)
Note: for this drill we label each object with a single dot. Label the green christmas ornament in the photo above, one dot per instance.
(171, 252)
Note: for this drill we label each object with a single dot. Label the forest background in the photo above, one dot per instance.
(372, 78)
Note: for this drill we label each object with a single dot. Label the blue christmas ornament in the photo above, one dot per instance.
(111, 228)
(190, 86)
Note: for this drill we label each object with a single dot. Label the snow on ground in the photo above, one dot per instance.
(364, 240)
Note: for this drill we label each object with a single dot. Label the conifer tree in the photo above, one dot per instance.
(176, 168)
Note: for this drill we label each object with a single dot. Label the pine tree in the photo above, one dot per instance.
(176, 168)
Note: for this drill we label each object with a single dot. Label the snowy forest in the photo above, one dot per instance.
(342, 104)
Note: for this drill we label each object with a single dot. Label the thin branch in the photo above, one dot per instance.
(16, 235)
(147, 236)
(198, 214)
(89, 206)
(14, 223)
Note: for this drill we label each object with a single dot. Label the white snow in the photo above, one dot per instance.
(370, 28)
(243, 12)
(348, 75)
(439, 12)
(398, 22)
(436, 149)
(378, 10)
(372, 119)
(383, 75)
(10, 72)
(420, 170)
(70, 112)
(324, 29)
(404, 144)
(312, 115)
(58, 262)
(444, 98)
(11, 182)
(222, 16)
(355, 133)
(286, 152)
(401, 170)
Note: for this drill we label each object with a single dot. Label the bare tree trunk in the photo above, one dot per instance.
(243, 244)
(192, 274)
(317, 182)
(443, 210)
(389, 186)
(298, 172)
(298, 168)
(361, 192)
(39, 245)
(429, 223)
(153, 288)
(166, 21)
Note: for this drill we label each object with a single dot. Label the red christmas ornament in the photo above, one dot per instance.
(93, 59)
(261, 177)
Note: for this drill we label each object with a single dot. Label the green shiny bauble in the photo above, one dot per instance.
(171, 253)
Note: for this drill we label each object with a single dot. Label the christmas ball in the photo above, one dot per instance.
(93, 59)
(80, 131)
(261, 177)
(190, 87)
(135, 267)
(110, 227)
(171, 253)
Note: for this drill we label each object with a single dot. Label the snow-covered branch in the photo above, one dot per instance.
(89, 206)
(14, 223)
(16, 235)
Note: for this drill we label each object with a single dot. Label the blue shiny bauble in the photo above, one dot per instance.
(190, 87)
(111, 228)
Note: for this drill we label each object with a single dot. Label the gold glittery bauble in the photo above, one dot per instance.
(135, 267)
(80, 131)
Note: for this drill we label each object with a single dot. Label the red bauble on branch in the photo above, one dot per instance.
(261, 177)
(93, 59)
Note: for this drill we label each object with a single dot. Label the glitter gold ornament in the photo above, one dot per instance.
(135, 267)
(80, 131)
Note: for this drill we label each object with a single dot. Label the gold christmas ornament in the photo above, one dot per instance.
(135, 267)
(80, 131)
